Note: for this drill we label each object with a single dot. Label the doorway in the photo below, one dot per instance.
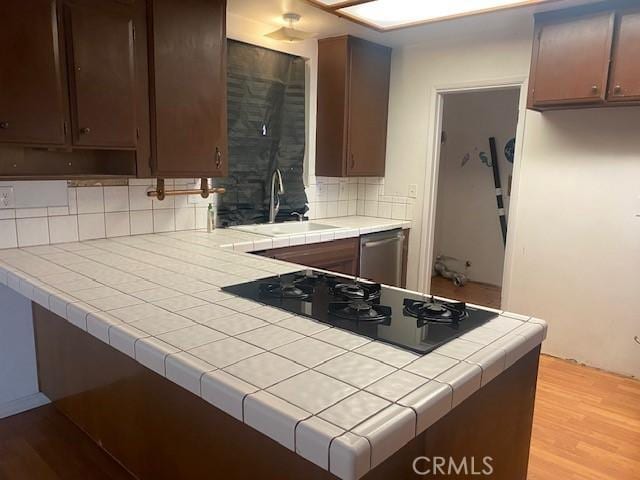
(473, 194)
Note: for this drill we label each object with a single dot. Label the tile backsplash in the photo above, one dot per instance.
(107, 211)
(102, 212)
(340, 197)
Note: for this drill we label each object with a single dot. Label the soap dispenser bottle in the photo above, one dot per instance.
(211, 218)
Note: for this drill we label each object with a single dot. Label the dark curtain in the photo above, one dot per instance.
(266, 116)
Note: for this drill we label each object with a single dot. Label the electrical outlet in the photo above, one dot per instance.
(413, 190)
(7, 199)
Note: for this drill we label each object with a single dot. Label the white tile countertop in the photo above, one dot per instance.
(346, 227)
(344, 402)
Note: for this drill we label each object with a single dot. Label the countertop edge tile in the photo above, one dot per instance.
(98, 324)
(349, 456)
(152, 353)
(274, 417)
(226, 392)
(543, 324)
(491, 360)
(58, 304)
(431, 402)
(77, 314)
(464, 379)
(313, 439)
(123, 337)
(185, 370)
(388, 431)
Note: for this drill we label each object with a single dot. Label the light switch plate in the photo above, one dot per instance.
(7, 198)
(413, 190)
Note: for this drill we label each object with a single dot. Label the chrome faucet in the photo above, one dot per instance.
(277, 189)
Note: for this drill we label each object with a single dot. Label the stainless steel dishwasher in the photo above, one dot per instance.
(381, 256)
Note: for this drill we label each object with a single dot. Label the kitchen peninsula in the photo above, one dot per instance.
(138, 345)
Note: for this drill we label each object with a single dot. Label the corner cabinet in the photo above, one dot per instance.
(585, 58)
(187, 65)
(353, 99)
(73, 89)
(94, 88)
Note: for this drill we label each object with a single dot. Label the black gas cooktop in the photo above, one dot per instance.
(415, 322)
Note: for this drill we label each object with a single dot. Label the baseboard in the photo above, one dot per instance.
(23, 404)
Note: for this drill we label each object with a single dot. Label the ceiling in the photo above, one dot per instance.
(324, 24)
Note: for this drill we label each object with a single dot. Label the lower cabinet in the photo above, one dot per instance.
(339, 256)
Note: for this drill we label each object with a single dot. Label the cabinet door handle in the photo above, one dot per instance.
(218, 158)
(594, 88)
(353, 161)
(85, 130)
(617, 89)
(4, 125)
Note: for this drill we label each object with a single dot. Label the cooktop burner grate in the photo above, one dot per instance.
(435, 311)
(361, 311)
(296, 289)
(354, 290)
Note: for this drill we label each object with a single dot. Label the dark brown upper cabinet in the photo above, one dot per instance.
(33, 102)
(586, 57)
(624, 80)
(100, 40)
(188, 87)
(353, 100)
(74, 79)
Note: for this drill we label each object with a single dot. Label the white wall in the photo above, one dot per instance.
(18, 376)
(577, 245)
(495, 50)
(467, 222)
(574, 235)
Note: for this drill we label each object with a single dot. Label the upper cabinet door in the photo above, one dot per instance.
(102, 75)
(32, 97)
(369, 73)
(571, 61)
(189, 88)
(353, 100)
(624, 80)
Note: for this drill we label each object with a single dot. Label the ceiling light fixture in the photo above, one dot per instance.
(289, 34)
(391, 14)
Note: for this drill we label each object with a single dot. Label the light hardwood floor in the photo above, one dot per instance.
(586, 424)
(586, 427)
(472, 292)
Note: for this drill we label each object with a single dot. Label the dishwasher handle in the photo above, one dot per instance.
(378, 243)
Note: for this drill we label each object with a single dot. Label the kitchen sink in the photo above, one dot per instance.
(286, 228)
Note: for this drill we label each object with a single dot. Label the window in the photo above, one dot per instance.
(266, 117)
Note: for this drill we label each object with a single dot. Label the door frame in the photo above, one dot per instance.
(427, 239)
